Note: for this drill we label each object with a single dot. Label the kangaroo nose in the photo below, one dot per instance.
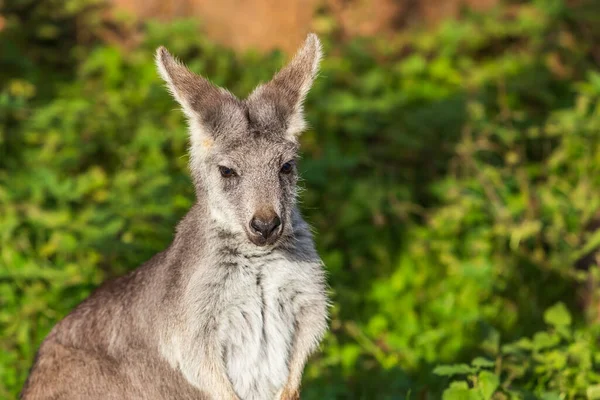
(265, 226)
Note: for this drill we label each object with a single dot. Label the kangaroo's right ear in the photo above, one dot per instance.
(204, 104)
(192, 92)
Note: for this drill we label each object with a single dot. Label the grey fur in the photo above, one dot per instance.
(223, 313)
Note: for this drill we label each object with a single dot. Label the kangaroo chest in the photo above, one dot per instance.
(258, 326)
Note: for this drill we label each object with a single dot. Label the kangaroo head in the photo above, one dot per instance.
(243, 152)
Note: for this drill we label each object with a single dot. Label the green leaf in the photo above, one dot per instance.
(558, 315)
(460, 391)
(520, 346)
(456, 369)
(488, 382)
(592, 243)
(593, 392)
(481, 362)
(543, 340)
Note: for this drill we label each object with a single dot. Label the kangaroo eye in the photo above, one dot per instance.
(287, 167)
(226, 172)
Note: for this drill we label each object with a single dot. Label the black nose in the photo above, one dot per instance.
(265, 226)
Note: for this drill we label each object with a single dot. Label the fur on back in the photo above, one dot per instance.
(223, 312)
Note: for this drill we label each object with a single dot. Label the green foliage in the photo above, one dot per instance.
(452, 178)
(557, 363)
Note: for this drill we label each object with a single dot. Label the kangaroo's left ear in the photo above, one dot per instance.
(286, 92)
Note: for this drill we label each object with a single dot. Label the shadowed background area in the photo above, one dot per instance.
(452, 176)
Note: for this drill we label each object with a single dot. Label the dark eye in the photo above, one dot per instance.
(226, 172)
(287, 167)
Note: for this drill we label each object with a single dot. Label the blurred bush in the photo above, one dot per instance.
(452, 177)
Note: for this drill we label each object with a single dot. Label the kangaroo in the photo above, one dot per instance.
(235, 305)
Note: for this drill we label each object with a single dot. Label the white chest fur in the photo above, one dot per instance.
(258, 328)
(250, 303)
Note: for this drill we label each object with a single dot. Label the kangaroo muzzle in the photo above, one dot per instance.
(265, 228)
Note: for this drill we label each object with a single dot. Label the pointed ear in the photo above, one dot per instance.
(286, 92)
(191, 91)
(209, 108)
